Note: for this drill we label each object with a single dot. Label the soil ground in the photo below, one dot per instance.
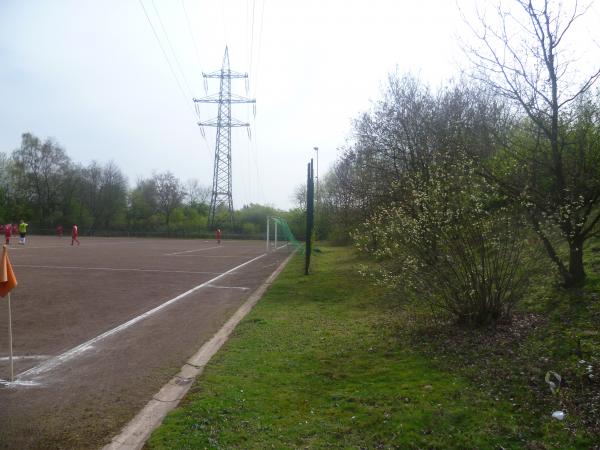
(70, 295)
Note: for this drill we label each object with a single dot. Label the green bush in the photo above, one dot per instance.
(450, 241)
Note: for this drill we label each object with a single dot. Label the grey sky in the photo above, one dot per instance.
(91, 75)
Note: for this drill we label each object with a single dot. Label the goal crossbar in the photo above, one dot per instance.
(279, 234)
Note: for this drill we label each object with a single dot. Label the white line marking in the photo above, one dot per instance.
(233, 244)
(28, 246)
(137, 431)
(94, 243)
(32, 266)
(66, 245)
(72, 353)
(215, 256)
(227, 287)
(18, 383)
(20, 358)
(191, 251)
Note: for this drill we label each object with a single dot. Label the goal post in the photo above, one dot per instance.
(279, 234)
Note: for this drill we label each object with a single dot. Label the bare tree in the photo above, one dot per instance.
(169, 193)
(299, 196)
(401, 135)
(113, 193)
(196, 193)
(526, 55)
(104, 193)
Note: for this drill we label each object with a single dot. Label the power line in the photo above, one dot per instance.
(193, 39)
(185, 96)
(224, 21)
(255, 76)
(252, 38)
(192, 35)
(247, 41)
(259, 191)
(172, 50)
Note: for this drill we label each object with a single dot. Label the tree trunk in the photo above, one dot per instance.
(562, 269)
(576, 270)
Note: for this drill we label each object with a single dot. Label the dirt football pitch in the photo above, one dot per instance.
(99, 328)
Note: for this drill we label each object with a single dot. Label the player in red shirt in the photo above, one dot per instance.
(59, 231)
(7, 230)
(74, 234)
(15, 228)
(218, 236)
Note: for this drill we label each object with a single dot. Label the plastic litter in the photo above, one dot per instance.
(553, 379)
(558, 415)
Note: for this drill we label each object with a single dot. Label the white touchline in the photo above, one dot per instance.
(70, 354)
(19, 358)
(227, 287)
(18, 383)
(214, 256)
(33, 266)
(192, 251)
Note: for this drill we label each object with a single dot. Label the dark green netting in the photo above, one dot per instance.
(285, 234)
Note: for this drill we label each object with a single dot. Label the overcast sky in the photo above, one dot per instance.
(92, 75)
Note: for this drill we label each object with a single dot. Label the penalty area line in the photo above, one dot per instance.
(191, 251)
(76, 351)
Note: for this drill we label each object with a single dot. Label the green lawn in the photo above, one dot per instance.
(326, 361)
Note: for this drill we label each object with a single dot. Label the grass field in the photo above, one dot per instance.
(329, 361)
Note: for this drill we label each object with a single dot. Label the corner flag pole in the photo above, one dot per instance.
(10, 341)
(7, 283)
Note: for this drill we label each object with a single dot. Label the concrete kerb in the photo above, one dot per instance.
(138, 430)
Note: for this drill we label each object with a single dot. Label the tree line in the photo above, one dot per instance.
(461, 191)
(42, 185)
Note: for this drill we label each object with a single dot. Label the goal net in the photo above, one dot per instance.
(279, 235)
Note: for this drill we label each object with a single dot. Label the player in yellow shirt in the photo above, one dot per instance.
(22, 232)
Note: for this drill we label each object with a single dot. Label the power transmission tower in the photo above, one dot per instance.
(221, 188)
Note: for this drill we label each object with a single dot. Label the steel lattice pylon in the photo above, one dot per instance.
(221, 188)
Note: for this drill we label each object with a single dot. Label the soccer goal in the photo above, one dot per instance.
(279, 235)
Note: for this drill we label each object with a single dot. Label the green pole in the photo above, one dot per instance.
(309, 215)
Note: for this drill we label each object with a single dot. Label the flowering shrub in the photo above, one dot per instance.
(451, 240)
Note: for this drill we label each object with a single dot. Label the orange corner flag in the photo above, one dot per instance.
(7, 277)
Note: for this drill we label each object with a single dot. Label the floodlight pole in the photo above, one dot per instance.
(309, 214)
(316, 149)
